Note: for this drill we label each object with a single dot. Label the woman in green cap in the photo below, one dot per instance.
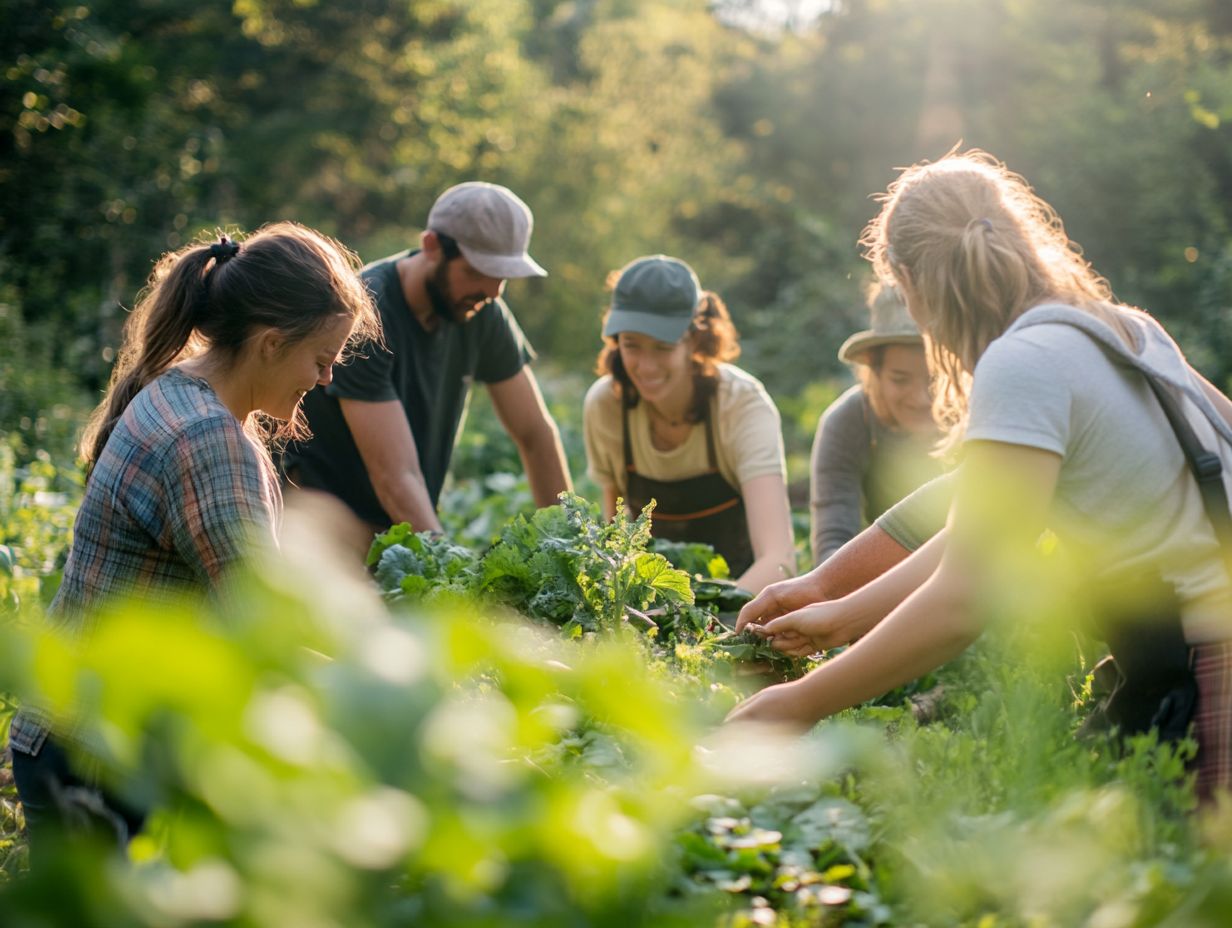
(671, 419)
(874, 443)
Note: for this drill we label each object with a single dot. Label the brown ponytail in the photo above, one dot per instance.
(155, 336)
(212, 296)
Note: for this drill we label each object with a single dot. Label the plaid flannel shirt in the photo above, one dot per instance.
(173, 501)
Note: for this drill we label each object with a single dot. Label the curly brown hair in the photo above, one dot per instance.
(713, 339)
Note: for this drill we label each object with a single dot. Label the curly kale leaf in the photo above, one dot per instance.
(394, 563)
(416, 564)
(396, 535)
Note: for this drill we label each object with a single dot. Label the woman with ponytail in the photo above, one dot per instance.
(671, 419)
(1067, 411)
(220, 349)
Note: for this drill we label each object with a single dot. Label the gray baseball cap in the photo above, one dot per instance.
(492, 227)
(655, 296)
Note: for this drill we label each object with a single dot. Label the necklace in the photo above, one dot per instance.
(667, 434)
(665, 420)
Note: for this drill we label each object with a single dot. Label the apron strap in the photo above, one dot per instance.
(624, 436)
(711, 456)
(701, 513)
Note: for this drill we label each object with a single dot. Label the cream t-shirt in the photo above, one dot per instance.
(747, 433)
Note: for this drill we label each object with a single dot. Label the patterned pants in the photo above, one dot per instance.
(1213, 719)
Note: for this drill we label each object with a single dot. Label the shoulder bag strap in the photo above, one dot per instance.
(1205, 465)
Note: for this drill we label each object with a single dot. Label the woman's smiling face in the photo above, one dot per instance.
(302, 365)
(659, 370)
(905, 384)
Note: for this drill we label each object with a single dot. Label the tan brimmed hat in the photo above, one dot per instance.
(890, 325)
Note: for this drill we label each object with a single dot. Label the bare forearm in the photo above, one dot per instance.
(931, 627)
(543, 458)
(405, 497)
(863, 559)
(873, 601)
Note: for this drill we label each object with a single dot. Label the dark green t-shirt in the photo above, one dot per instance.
(429, 373)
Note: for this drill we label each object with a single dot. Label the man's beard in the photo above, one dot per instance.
(438, 293)
(444, 307)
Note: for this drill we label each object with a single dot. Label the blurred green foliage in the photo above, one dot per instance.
(38, 499)
(317, 757)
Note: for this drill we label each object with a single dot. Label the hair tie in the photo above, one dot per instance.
(224, 250)
(221, 251)
(987, 223)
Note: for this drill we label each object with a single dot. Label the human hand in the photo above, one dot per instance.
(816, 627)
(778, 599)
(782, 705)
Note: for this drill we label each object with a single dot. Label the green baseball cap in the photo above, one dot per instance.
(656, 296)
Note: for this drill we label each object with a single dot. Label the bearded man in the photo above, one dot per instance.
(383, 430)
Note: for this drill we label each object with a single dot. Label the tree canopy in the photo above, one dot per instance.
(746, 140)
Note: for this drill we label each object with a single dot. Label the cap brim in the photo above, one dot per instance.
(861, 343)
(662, 328)
(502, 266)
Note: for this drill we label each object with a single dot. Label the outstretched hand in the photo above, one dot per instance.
(782, 705)
(779, 599)
(816, 627)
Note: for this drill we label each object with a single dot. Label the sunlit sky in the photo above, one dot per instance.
(772, 14)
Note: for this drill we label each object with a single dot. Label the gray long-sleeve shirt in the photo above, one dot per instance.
(860, 468)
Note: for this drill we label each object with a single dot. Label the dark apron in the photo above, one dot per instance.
(705, 508)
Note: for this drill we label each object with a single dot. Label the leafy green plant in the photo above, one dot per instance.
(414, 564)
(693, 558)
(756, 655)
(562, 564)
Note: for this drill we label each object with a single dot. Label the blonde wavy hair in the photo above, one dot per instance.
(976, 247)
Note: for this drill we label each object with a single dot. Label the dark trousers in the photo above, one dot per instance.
(60, 805)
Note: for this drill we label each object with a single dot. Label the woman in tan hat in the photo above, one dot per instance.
(873, 444)
(670, 419)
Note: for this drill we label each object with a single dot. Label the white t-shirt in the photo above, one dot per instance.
(1125, 495)
(747, 434)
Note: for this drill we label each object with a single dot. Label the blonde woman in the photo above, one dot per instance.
(874, 443)
(1043, 390)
